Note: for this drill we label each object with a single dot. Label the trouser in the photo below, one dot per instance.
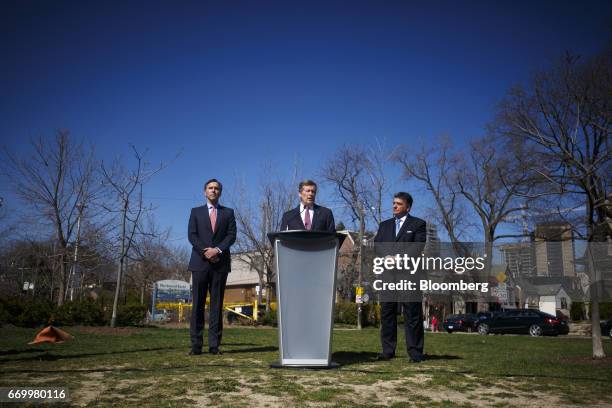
(413, 328)
(204, 282)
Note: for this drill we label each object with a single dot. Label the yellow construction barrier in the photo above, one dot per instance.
(184, 309)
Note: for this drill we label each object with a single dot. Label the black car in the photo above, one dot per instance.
(461, 322)
(606, 328)
(524, 321)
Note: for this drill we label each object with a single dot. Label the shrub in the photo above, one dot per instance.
(10, 309)
(36, 313)
(85, 312)
(269, 319)
(577, 311)
(131, 314)
(346, 313)
(605, 310)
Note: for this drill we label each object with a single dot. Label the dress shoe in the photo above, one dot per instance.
(215, 351)
(417, 359)
(384, 357)
(195, 352)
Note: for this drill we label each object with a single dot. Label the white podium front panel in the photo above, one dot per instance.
(306, 285)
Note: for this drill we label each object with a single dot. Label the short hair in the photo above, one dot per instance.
(405, 197)
(213, 180)
(307, 183)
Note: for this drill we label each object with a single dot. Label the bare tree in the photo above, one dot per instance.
(435, 168)
(124, 190)
(378, 157)
(496, 183)
(256, 222)
(150, 255)
(53, 181)
(357, 175)
(565, 114)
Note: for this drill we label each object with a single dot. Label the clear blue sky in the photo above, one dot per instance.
(235, 83)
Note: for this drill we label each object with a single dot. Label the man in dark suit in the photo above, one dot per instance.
(211, 232)
(308, 215)
(402, 228)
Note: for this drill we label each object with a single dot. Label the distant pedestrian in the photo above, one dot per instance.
(434, 324)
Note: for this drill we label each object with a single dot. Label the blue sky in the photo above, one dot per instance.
(235, 84)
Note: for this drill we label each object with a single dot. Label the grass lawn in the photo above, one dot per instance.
(150, 367)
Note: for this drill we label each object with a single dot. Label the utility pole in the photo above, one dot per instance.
(361, 263)
(264, 237)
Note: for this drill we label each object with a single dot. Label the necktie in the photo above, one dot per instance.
(307, 222)
(398, 224)
(213, 218)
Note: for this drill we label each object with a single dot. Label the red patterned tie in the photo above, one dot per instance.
(307, 222)
(213, 218)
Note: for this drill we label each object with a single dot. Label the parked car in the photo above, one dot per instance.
(461, 322)
(606, 328)
(523, 321)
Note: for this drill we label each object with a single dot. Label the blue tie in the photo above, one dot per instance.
(398, 223)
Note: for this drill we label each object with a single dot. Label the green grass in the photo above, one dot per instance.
(150, 367)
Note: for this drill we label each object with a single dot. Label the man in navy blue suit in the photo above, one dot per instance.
(308, 215)
(402, 228)
(211, 232)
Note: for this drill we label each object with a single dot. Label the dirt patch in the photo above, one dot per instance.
(89, 389)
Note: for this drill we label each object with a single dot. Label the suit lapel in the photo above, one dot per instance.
(207, 219)
(299, 217)
(220, 213)
(315, 216)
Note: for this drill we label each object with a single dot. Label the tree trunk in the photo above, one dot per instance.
(598, 351)
(119, 267)
(62, 279)
(268, 297)
(261, 287)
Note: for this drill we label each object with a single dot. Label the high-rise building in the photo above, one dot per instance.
(554, 249)
(520, 258)
(433, 240)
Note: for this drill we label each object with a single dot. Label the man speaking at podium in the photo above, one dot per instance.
(308, 215)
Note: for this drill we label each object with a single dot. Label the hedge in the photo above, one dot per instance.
(33, 313)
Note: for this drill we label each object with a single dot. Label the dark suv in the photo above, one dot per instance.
(461, 322)
(524, 321)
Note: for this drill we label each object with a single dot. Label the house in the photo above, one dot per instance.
(548, 298)
(243, 283)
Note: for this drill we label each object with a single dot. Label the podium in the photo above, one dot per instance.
(306, 264)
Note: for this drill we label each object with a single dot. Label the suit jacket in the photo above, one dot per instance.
(201, 236)
(413, 230)
(323, 220)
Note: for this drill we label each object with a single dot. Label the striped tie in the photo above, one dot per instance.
(307, 222)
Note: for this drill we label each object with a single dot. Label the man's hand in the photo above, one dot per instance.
(210, 253)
